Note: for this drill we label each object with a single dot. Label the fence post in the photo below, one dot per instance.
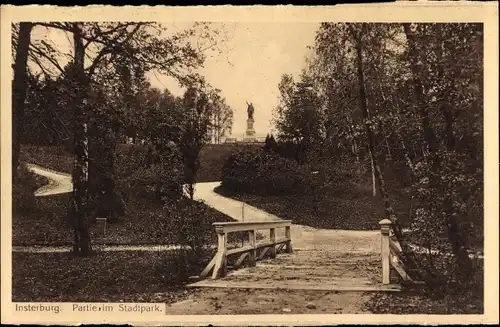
(220, 268)
(252, 256)
(288, 235)
(272, 237)
(385, 228)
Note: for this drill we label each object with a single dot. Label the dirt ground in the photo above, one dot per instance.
(255, 301)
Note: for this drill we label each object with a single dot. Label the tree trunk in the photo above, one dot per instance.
(19, 88)
(374, 183)
(102, 185)
(82, 245)
(354, 145)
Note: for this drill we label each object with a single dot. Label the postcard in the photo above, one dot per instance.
(250, 165)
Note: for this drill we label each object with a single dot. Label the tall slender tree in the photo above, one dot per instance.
(19, 88)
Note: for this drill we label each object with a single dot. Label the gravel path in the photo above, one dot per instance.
(59, 183)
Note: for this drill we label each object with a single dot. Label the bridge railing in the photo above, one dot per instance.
(392, 254)
(251, 251)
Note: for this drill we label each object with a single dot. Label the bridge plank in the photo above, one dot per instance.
(298, 286)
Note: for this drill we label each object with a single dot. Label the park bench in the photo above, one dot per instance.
(253, 251)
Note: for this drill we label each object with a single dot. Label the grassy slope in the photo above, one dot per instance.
(352, 208)
(213, 156)
(145, 221)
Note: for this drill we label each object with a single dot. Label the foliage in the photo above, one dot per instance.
(191, 221)
(270, 143)
(162, 178)
(146, 220)
(23, 199)
(406, 95)
(101, 94)
(298, 116)
(197, 107)
(264, 173)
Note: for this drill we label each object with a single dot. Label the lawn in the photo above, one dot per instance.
(104, 277)
(351, 209)
(56, 158)
(145, 220)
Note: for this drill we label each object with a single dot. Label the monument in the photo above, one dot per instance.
(250, 132)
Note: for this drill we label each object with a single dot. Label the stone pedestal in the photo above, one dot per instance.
(250, 132)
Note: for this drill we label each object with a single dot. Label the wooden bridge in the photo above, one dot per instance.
(272, 264)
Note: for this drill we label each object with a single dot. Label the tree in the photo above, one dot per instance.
(19, 88)
(135, 46)
(443, 91)
(270, 143)
(298, 116)
(222, 116)
(80, 178)
(406, 99)
(196, 127)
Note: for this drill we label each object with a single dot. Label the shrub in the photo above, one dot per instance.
(446, 210)
(23, 198)
(129, 158)
(265, 173)
(192, 222)
(149, 174)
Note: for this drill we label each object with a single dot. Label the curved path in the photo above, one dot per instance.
(59, 183)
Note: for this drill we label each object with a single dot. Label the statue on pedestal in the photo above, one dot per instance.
(250, 133)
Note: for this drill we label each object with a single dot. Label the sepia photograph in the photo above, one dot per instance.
(246, 167)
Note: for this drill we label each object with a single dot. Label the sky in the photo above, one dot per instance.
(249, 68)
(254, 57)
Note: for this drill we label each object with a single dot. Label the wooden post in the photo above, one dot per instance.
(288, 235)
(252, 257)
(385, 228)
(272, 237)
(220, 268)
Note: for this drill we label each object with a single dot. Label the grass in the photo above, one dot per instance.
(104, 277)
(353, 209)
(212, 157)
(145, 220)
(464, 297)
(56, 158)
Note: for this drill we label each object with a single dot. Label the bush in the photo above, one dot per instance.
(192, 222)
(149, 174)
(267, 173)
(129, 158)
(23, 198)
